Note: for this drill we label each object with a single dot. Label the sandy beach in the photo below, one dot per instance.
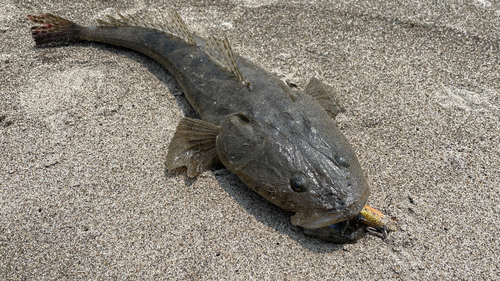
(85, 130)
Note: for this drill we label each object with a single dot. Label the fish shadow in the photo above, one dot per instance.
(269, 214)
(257, 206)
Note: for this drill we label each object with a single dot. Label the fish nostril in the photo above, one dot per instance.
(348, 181)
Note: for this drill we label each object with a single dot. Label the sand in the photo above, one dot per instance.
(85, 129)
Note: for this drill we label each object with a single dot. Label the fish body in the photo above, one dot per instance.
(282, 143)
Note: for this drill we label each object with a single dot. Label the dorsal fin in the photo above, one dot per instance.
(175, 27)
(220, 52)
(326, 96)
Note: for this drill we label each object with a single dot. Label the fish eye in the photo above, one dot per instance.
(299, 182)
(341, 161)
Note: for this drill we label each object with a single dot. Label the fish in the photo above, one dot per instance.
(281, 142)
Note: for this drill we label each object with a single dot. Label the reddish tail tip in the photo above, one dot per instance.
(52, 29)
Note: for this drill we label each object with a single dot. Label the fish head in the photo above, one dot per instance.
(298, 159)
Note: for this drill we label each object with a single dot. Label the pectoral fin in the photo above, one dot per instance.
(326, 96)
(193, 146)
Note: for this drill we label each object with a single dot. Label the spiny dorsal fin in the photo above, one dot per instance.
(326, 96)
(193, 146)
(220, 52)
(175, 27)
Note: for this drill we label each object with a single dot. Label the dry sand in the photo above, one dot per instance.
(84, 131)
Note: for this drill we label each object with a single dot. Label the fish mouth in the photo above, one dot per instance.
(316, 221)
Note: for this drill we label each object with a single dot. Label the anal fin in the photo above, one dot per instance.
(327, 97)
(193, 146)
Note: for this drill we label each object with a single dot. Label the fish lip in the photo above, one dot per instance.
(318, 222)
(306, 221)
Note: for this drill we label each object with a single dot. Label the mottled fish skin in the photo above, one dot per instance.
(280, 142)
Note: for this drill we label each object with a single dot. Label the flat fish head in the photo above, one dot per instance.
(298, 159)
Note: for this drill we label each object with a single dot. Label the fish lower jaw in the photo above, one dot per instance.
(311, 223)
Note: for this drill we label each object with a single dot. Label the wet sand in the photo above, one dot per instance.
(85, 129)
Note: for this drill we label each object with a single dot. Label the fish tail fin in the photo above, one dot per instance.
(53, 30)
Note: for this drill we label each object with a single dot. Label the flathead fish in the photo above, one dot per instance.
(282, 143)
